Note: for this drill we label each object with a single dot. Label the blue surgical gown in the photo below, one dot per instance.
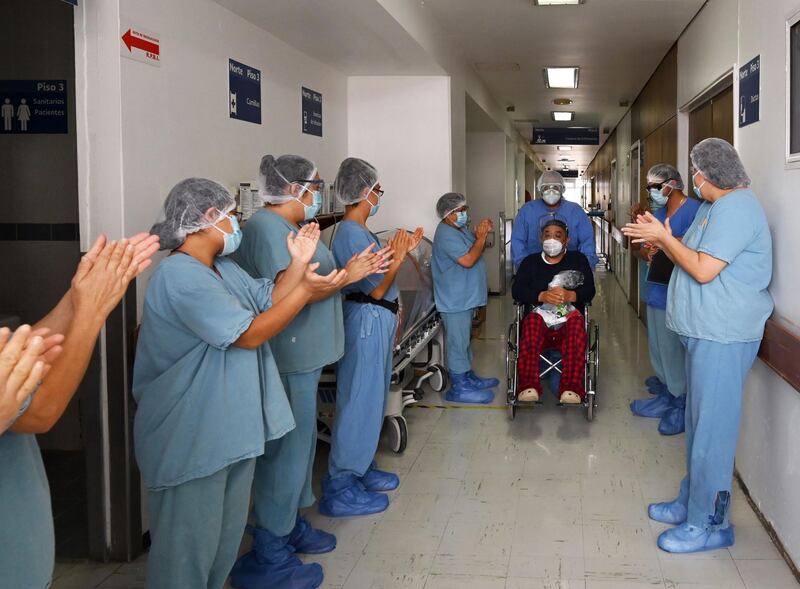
(352, 238)
(526, 237)
(203, 403)
(455, 287)
(318, 326)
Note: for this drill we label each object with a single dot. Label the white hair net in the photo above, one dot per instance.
(665, 173)
(185, 210)
(552, 178)
(448, 203)
(718, 161)
(354, 176)
(275, 177)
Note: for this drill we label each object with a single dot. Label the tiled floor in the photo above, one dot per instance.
(548, 501)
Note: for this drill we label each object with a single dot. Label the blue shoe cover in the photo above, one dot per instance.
(272, 563)
(653, 382)
(379, 481)
(655, 407)
(463, 391)
(687, 538)
(306, 539)
(673, 422)
(669, 512)
(481, 383)
(346, 496)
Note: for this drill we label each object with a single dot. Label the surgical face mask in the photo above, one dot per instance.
(462, 218)
(310, 211)
(233, 239)
(551, 197)
(698, 189)
(658, 199)
(373, 208)
(552, 247)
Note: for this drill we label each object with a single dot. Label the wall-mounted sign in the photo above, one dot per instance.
(139, 44)
(566, 136)
(312, 112)
(244, 92)
(33, 106)
(750, 92)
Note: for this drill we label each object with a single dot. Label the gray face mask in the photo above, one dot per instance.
(551, 197)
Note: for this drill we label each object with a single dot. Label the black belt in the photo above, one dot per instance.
(360, 297)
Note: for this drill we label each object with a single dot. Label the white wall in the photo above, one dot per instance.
(487, 179)
(767, 456)
(401, 125)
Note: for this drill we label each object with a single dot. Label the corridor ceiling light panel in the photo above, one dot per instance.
(564, 148)
(563, 115)
(557, 2)
(561, 77)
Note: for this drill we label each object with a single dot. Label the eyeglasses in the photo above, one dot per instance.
(320, 182)
(658, 185)
(378, 192)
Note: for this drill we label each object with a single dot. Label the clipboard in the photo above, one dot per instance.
(661, 268)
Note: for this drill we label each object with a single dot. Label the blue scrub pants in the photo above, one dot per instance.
(716, 374)
(667, 354)
(362, 383)
(282, 482)
(196, 528)
(458, 332)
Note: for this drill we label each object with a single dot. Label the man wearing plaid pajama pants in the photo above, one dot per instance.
(532, 287)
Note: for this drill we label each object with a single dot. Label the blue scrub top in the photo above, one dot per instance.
(526, 237)
(733, 307)
(655, 294)
(456, 288)
(352, 238)
(202, 402)
(26, 519)
(315, 337)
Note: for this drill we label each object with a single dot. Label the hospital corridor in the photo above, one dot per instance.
(399, 294)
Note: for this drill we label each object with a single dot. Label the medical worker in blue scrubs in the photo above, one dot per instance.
(27, 540)
(291, 190)
(353, 485)
(209, 394)
(460, 287)
(718, 303)
(527, 232)
(668, 201)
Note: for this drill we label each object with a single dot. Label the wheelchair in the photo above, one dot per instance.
(550, 363)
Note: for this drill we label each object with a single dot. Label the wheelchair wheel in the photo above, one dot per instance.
(589, 406)
(512, 410)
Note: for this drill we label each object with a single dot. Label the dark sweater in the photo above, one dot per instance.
(535, 274)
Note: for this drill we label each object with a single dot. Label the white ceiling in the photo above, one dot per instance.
(357, 37)
(617, 43)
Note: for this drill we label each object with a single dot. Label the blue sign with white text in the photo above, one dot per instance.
(33, 106)
(566, 136)
(750, 92)
(244, 92)
(312, 112)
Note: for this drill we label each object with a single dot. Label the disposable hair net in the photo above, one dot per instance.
(448, 203)
(665, 173)
(275, 176)
(353, 177)
(185, 209)
(552, 178)
(718, 161)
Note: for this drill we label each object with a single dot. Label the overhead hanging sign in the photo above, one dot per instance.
(33, 106)
(750, 92)
(566, 136)
(244, 92)
(312, 112)
(140, 45)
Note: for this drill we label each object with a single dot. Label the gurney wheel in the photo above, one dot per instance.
(398, 433)
(438, 379)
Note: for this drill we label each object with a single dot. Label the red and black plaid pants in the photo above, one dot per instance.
(570, 340)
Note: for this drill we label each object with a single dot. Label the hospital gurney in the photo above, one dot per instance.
(418, 354)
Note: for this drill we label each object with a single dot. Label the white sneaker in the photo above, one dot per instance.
(569, 398)
(529, 395)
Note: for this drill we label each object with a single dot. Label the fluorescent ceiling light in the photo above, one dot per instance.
(563, 115)
(561, 77)
(564, 148)
(556, 2)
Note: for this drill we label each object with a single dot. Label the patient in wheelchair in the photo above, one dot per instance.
(559, 283)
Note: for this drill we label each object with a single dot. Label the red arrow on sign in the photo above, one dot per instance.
(133, 41)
